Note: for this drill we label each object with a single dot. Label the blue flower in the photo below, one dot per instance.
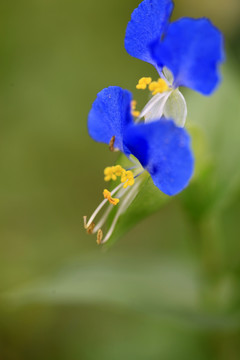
(186, 52)
(161, 148)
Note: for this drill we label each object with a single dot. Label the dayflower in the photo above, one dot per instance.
(186, 52)
(160, 148)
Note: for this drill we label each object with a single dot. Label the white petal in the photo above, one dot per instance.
(168, 75)
(154, 108)
(152, 102)
(176, 108)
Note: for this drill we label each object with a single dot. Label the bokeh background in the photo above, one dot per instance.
(169, 288)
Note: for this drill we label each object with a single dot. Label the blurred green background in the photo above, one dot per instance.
(168, 289)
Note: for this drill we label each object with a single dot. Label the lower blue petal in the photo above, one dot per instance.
(192, 49)
(148, 22)
(110, 114)
(164, 150)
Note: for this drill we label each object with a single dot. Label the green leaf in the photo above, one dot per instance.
(155, 286)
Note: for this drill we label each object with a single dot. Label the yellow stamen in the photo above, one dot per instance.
(89, 228)
(112, 172)
(107, 195)
(143, 82)
(133, 104)
(109, 173)
(99, 237)
(134, 112)
(159, 86)
(127, 178)
(118, 170)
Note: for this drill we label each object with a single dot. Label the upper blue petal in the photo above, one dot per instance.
(165, 151)
(192, 49)
(148, 22)
(110, 114)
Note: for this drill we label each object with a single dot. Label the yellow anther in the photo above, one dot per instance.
(107, 195)
(159, 86)
(89, 228)
(99, 236)
(118, 170)
(143, 82)
(109, 173)
(112, 172)
(127, 178)
(126, 174)
(135, 112)
(133, 104)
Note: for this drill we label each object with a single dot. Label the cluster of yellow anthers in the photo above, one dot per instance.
(155, 87)
(135, 112)
(112, 172)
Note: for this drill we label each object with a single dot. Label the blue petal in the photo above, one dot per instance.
(110, 114)
(192, 49)
(164, 150)
(148, 22)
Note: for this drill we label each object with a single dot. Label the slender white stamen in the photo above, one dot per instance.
(121, 192)
(141, 172)
(101, 205)
(105, 215)
(132, 168)
(134, 160)
(127, 200)
(103, 219)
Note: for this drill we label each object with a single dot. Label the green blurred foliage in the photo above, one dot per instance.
(169, 288)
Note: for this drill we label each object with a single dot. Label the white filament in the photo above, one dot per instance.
(127, 200)
(101, 205)
(105, 215)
